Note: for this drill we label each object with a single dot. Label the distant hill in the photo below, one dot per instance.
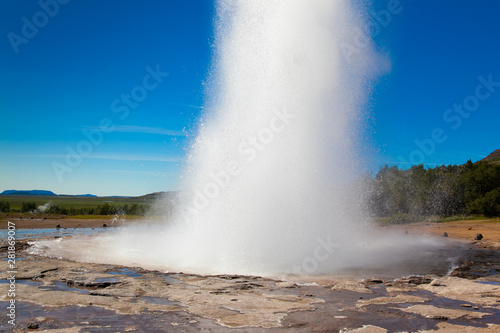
(157, 195)
(494, 157)
(151, 196)
(31, 192)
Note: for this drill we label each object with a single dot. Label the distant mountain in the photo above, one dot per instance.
(494, 157)
(150, 196)
(32, 192)
(43, 192)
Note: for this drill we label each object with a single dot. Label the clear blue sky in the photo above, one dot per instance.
(74, 73)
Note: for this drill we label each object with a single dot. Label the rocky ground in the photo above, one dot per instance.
(54, 295)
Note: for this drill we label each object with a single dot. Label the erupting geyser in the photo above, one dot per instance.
(270, 183)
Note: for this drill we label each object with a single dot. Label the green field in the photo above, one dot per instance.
(16, 201)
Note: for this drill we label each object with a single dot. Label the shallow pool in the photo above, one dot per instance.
(51, 232)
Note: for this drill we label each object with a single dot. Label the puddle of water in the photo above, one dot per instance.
(157, 300)
(171, 280)
(17, 259)
(59, 286)
(125, 271)
(26, 282)
(495, 283)
(110, 280)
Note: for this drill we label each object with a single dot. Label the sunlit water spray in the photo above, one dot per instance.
(270, 185)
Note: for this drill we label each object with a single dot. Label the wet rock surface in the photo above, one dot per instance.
(56, 295)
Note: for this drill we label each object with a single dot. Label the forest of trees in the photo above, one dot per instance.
(471, 188)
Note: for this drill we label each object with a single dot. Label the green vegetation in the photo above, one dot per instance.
(404, 196)
(28, 207)
(4, 206)
(73, 205)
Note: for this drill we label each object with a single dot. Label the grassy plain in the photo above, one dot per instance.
(16, 201)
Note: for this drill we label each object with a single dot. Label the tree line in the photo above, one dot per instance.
(447, 190)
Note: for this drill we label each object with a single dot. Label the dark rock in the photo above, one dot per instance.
(470, 228)
(58, 226)
(33, 326)
(478, 237)
(418, 280)
(104, 225)
(444, 234)
(369, 282)
(92, 284)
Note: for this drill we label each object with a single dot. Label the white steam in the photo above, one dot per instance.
(270, 182)
(44, 207)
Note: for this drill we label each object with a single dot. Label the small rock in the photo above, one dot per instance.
(439, 317)
(444, 234)
(466, 305)
(470, 228)
(234, 300)
(104, 225)
(33, 326)
(478, 237)
(58, 226)
(476, 308)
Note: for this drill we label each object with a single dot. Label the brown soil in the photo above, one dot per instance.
(464, 230)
